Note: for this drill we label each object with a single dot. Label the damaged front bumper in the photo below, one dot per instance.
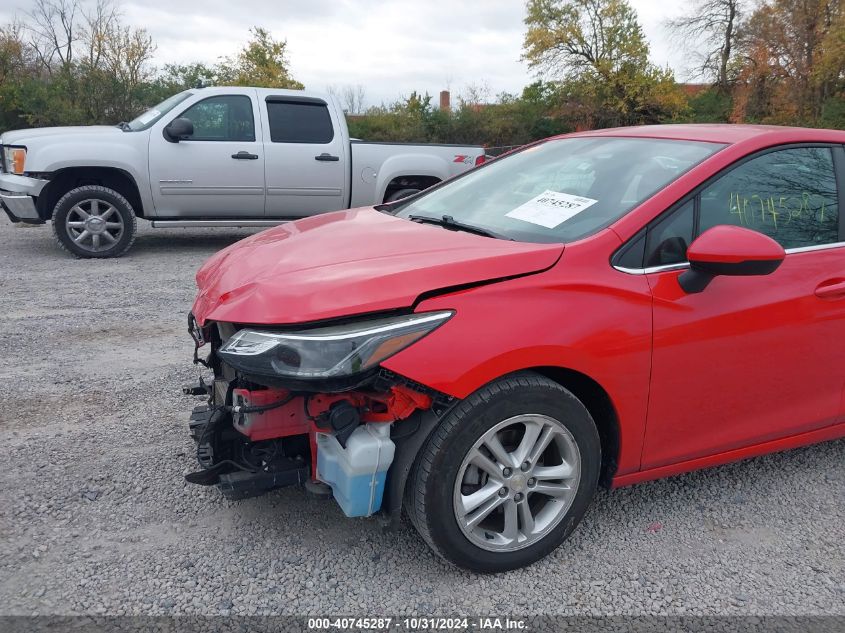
(359, 439)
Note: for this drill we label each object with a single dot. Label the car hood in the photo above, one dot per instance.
(21, 137)
(351, 262)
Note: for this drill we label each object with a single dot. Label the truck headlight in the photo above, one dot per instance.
(14, 158)
(327, 352)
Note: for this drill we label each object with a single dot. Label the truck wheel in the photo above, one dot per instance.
(94, 222)
(401, 193)
(506, 476)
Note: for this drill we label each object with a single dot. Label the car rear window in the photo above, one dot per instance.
(563, 189)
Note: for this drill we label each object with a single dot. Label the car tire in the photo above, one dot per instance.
(445, 476)
(94, 222)
(402, 193)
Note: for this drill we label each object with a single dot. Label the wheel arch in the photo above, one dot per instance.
(414, 181)
(408, 166)
(589, 392)
(68, 178)
(597, 401)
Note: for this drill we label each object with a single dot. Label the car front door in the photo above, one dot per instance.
(308, 166)
(750, 359)
(218, 171)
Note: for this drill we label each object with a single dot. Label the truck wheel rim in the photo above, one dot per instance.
(516, 483)
(94, 225)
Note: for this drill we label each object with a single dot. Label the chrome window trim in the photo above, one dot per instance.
(683, 265)
(817, 247)
(652, 269)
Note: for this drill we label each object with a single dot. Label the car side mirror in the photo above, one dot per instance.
(729, 250)
(178, 130)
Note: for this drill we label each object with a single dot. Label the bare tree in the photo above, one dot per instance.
(127, 54)
(100, 23)
(474, 94)
(353, 99)
(712, 24)
(54, 32)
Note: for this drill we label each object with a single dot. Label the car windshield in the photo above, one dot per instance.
(559, 190)
(156, 112)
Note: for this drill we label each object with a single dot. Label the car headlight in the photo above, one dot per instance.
(327, 352)
(14, 158)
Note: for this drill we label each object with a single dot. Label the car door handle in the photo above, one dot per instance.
(245, 156)
(327, 157)
(831, 289)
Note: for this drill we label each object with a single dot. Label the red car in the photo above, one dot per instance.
(603, 307)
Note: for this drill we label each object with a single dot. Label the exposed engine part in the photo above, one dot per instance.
(357, 472)
(252, 438)
(258, 420)
(199, 388)
(242, 485)
(240, 409)
(241, 468)
(343, 418)
(198, 335)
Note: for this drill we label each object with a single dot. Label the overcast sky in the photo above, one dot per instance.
(391, 47)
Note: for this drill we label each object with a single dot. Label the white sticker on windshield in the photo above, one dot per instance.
(148, 116)
(551, 208)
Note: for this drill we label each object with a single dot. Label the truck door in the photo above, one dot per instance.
(307, 157)
(218, 172)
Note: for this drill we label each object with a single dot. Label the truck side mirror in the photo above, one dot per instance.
(178, 130)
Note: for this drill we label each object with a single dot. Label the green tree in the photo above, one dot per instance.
(598, 49)
(16, 64)
(792, 61)
(262, 62)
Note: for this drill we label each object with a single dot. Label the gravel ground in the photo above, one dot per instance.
(96, 518)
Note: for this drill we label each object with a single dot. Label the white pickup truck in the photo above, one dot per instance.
(208, 157)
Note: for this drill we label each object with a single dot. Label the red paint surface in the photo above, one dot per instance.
(350, 262)
(750, 365)
(732, 245)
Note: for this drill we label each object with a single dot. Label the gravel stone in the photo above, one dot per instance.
(97, 518)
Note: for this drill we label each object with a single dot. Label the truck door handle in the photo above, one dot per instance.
(327, 157)
(245, 156)
(831, 289)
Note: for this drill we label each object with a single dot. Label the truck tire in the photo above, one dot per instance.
(94, 222)
(506, 476)
(401, 193)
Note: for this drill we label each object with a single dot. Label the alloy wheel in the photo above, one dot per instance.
(517, 482)
(94, 225)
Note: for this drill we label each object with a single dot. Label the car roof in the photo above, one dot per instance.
(722, 133)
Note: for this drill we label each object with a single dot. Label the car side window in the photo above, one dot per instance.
(299, 122)
(668, 237)
(789, 195)
(222, 118)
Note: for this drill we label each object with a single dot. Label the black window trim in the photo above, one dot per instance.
(311, 101)
(295, 99)
(837, 151)
(222, 140)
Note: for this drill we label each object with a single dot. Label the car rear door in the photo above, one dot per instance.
(217, 172)
(307, 164)
(750, 359)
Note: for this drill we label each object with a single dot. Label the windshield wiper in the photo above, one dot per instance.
(447, 221)
(123, 125)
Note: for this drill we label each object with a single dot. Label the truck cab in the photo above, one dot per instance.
(219, 156)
